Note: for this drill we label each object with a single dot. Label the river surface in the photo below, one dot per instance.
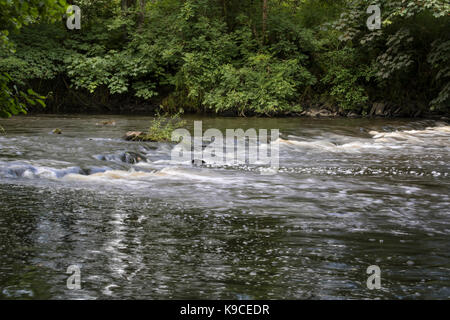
(349, 194)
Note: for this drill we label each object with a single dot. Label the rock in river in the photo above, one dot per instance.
(134, 136)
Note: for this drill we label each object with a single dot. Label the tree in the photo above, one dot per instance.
(264, 19)
(13, 16)
(261, 57)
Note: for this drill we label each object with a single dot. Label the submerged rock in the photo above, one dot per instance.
(132, 157)
(106, 123)
(198, 162)
(93, 170)
(127, 157)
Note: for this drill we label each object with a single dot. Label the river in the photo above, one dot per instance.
(350, 193)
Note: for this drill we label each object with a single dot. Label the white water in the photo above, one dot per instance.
(348, 194)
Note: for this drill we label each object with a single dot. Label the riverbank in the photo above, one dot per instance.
(314, 110)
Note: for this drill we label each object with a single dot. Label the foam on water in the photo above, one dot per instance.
(431, 136)
(178, 173)
(439, 136)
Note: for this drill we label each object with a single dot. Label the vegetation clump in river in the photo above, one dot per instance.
(160, 130)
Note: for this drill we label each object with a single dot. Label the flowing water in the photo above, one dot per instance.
(349, 194)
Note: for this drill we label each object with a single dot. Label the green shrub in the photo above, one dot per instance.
(162, 127)
(263, 86)
(346, 78)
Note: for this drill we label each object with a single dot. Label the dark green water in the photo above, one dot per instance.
(349, 194)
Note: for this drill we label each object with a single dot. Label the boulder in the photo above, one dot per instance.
(353, 115)
(56, 131)
(333, 108)
(313, 112)
(316, 112)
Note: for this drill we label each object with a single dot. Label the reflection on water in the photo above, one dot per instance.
(349, 194)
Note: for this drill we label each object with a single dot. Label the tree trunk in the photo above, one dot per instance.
(141, 12)
(224, 8)
(124, 4)
(264, 20)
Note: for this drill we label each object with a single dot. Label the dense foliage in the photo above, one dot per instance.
(13, 16)
(262, 57)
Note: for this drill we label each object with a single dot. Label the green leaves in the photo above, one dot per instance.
(15, 101)
(161, 127)
(13, 16)
(398, 55)
(401, 54)
(263, 86)
(346, 78)
(439, 58)
(209, 55)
